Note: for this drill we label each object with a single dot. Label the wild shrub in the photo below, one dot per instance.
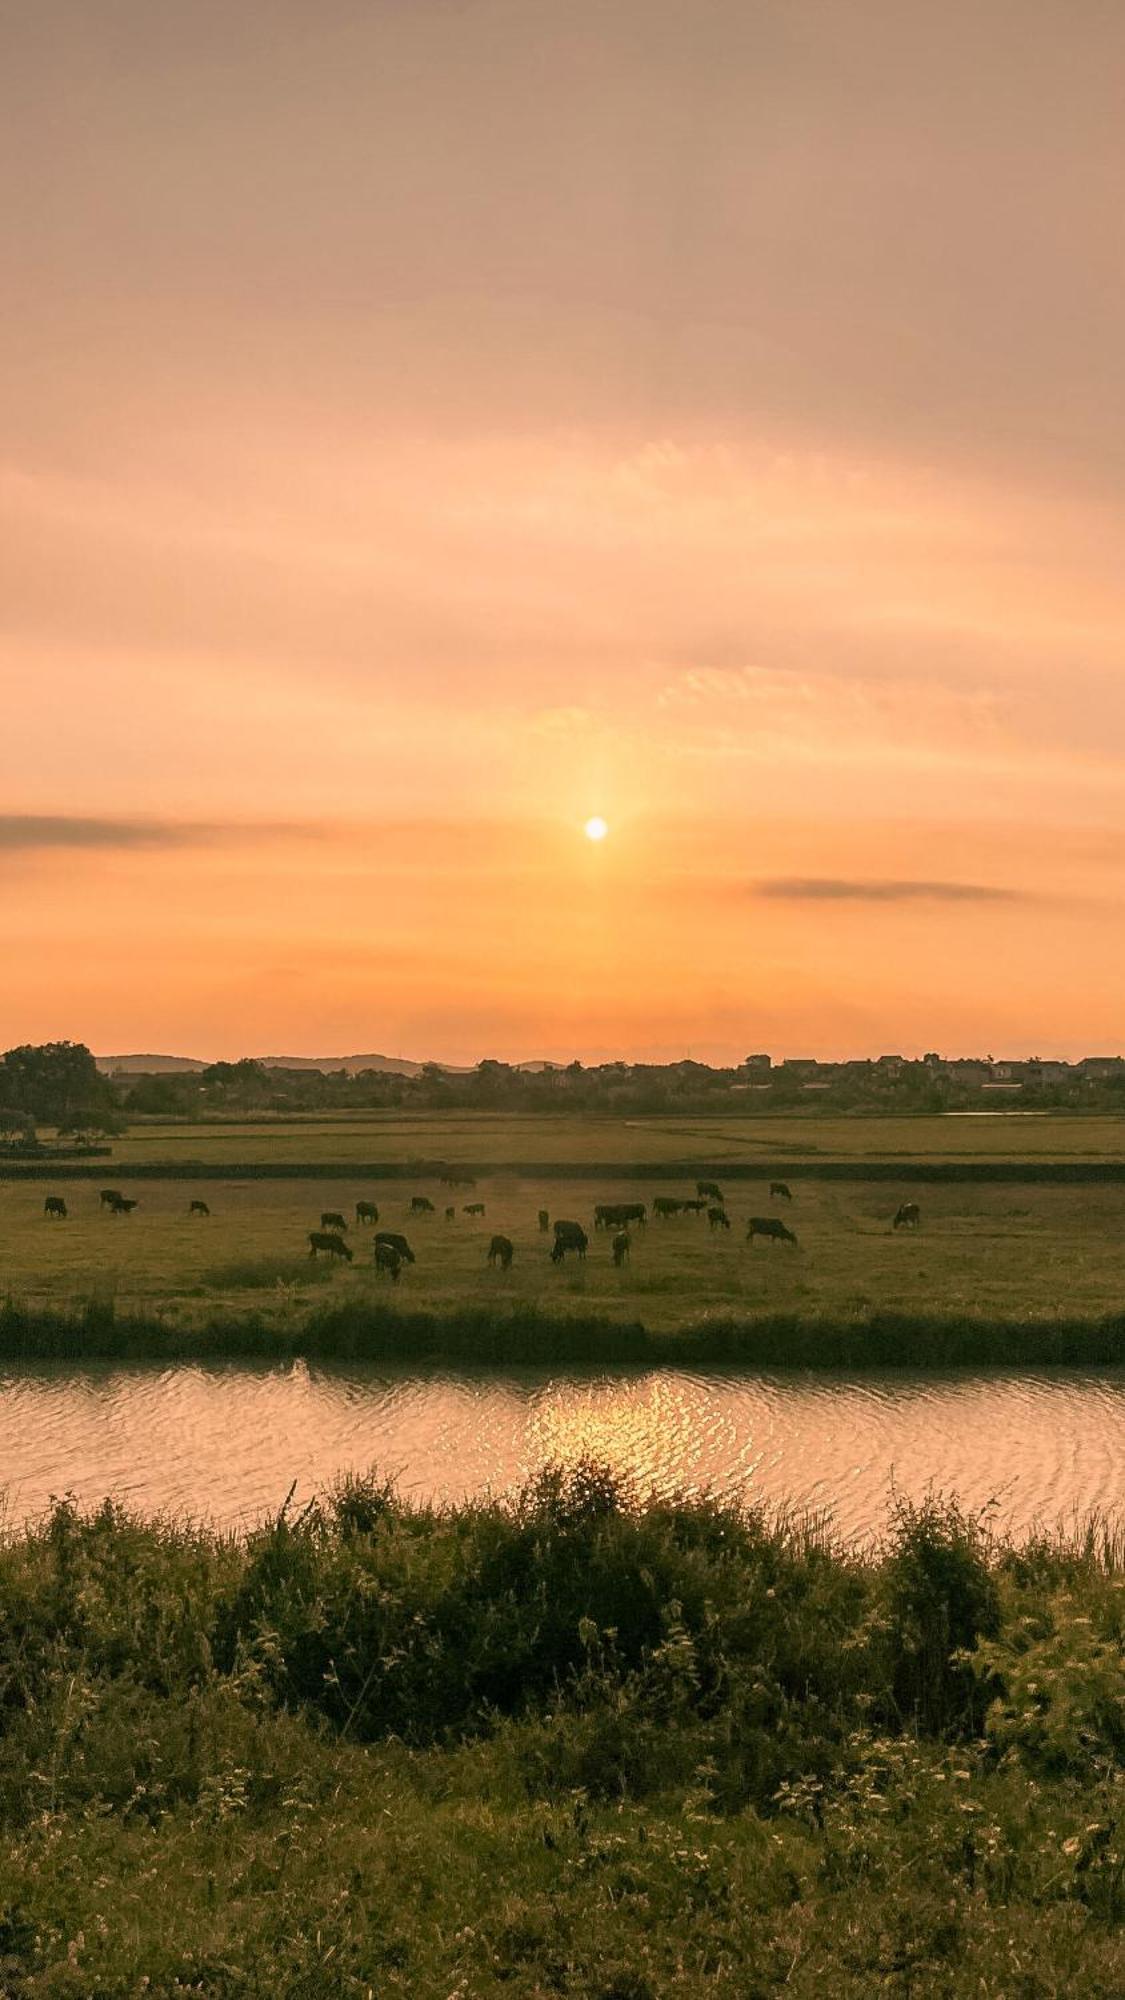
(938, 1599)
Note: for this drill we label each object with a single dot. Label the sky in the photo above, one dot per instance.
(423, 427)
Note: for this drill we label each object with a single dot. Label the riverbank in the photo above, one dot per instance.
(498, 1335)
(569, 1745)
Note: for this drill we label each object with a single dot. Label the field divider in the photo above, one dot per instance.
(913, 1172)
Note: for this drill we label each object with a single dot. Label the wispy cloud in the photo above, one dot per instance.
(24, 833)
(836, 889)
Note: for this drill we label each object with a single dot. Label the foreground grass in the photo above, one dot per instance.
(570, 1746)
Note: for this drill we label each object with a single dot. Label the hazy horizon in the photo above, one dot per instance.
(712, 1055)
(426, 428)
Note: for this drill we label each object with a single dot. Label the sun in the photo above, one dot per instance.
(596, 828)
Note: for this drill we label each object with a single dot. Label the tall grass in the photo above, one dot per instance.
(491, 1334)
(572, 1744)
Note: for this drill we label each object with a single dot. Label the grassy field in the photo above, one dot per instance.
(566, 1747)
(503, 1140)
(991, 1250)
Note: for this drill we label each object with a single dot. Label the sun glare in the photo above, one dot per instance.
(596, 828)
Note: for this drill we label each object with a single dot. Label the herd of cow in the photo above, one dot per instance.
(392, 1252)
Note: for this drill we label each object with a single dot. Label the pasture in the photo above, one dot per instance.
(983, 1250)
(509, 1140)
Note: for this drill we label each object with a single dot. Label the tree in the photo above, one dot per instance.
(55, 1083)
(160, 1096)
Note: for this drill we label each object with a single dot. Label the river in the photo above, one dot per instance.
(225, 1443)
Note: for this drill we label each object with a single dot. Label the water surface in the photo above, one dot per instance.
(225, 1443)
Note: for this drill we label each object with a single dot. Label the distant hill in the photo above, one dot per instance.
(391, 1065)
(153, 1065)
(147, 1065)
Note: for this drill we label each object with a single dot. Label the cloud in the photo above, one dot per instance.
(835, 889)
(26, 833)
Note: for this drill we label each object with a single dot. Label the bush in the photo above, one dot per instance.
(939, 1599)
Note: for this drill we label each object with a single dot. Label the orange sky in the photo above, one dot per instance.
(425, 427)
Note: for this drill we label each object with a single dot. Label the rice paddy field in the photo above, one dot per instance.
(999, 1246)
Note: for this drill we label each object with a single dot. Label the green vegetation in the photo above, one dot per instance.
(571, 1745)
(500, 1140)
(1006, 1270)
(634, 1090)
(502, 1336)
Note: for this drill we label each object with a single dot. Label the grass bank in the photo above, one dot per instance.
(571, 1745)
(487, 1335)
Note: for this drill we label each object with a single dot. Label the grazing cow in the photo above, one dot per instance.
(333, 1246)
(666, 1205)
(500, 1251)
(780, 1191)
(421, 1205)
(366, 1211)
(718, 1218)
(700, 1206)
(544, 1219)
(908, 1216)
(769, 1227)
(569, 1236)
(473, 1208)
(387, 1259)
(332, 1219)
(55, 1207)
(198, 1208)
(621, 1247)
(108, 1197)
(710, 1188)
(122, 1205)
(612, 1214)
(450, 1214)
(396, 1242)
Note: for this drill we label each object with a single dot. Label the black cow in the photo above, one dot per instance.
(198, 1208)
(710, 1188)
(780, 1191)
(666, 1205)
(544, 1219)
(621, 1246)
(122, 1205)
(421, 1205)
(700, 1206)
(450, 1214)
(55, 1207)
(500, 1252)
(396, 1242)
(569, 1236)
(718, 1218)
(771, 1228)
(908, 1216)
(387, 1259)
(612, 1214)
(108, 1197)
(473, 1208)
(332, 1219)
(366, 1211)
(333, 1246)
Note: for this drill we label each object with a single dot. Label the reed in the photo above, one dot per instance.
(525, 1333)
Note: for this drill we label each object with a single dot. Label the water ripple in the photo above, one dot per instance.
(226, 1443)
